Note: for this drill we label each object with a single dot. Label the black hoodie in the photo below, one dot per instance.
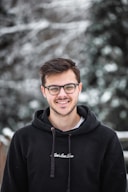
(42, 158)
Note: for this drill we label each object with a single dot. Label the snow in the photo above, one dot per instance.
(122, 135)
(111, 67)
(7, 132)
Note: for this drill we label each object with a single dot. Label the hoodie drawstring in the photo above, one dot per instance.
(52, 174)
(69, 163)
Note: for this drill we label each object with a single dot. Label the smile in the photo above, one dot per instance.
(62, 101)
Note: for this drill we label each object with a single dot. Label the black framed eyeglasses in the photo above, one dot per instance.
(68, 88)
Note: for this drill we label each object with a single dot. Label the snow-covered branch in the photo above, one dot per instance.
(122, 135)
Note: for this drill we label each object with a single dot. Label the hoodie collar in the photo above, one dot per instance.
(41, 121)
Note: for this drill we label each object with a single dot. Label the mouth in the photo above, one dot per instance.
(62, 101)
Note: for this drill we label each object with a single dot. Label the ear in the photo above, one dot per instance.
(80, 87)
(43, 90)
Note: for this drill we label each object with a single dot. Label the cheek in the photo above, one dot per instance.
(48, 97)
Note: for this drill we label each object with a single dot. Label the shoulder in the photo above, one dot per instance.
(107, 134)
(23, 130)
(22, 133)
(106, 130)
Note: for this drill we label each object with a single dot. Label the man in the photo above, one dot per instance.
(65, 148)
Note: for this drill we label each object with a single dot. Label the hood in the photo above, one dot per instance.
(41, 121)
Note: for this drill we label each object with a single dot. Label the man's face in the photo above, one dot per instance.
(62, 103)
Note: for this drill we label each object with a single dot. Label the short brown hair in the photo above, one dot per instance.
(58, 65)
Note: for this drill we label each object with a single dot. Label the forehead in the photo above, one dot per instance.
(61, 78)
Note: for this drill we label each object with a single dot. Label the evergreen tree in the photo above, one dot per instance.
(107, 60)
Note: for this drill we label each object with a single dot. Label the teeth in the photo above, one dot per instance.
(63, 102)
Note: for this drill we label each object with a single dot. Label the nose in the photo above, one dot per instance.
(62, 91)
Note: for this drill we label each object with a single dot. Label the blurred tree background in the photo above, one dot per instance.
(92, 33)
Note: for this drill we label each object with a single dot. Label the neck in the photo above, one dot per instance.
(64, 123)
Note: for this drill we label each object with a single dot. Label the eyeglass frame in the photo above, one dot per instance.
(61, 86)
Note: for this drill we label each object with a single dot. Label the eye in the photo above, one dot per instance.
(69, 87)
(54, 89)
